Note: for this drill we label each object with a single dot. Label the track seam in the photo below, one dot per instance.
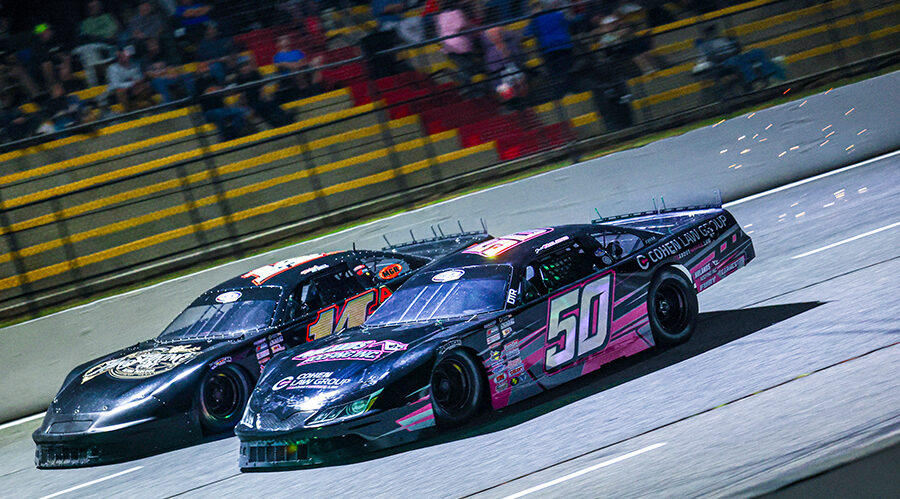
(685, 418)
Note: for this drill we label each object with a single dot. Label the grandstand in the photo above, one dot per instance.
(118, 194)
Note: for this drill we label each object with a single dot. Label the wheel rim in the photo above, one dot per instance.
(221, 396)
(450, 386)
(671, 308)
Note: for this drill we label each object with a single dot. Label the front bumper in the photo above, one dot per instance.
(94, 446)
(330, 444)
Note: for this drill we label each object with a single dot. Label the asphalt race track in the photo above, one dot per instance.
(793, 370)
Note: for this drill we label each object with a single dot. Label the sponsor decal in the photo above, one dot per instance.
(390, 272)
(502, 387)
(229, 297)
(143, 364)
(511, 345)
(493, 339)
(643, 262)
(310, 380)
(448, 346)
(267, 272)
(278, 347)
(731, 267)
(314, 268)
(517, 371)
(361, 269)
(506, 331)
(260, 344)
(508, 322)
(262, 353)
(369, 350)
(500, 378)
(448, 275)
(551, 244)
(675, 246)
(498, 367)
(511, 296)
(497, 246)
(495, 355)
(275, 338)
(262, 363)
(220, 362)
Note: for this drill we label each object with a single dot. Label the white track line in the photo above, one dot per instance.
(810, 179)
(849, 239)
(586, 470)
(20, 421)
(92, 482)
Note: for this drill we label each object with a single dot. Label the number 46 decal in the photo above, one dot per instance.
(578, 322)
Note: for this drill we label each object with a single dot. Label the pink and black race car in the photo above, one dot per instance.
(492, 325)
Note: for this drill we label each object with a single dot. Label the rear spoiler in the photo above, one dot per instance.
(602, 220)
(660, 209)
(439, 244)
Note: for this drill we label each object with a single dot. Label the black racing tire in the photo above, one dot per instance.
(672, 307)
(222, 397)
(458, 388)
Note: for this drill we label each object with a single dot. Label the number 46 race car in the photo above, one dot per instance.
(195, 378)
(494, 324)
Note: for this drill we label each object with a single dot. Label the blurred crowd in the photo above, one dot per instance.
(140, 51)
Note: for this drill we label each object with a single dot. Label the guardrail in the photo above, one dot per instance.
(151, 192)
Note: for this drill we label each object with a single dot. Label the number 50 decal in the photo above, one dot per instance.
(578, 322)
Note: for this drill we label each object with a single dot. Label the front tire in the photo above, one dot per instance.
(672, 307)
(458, 388)
(222, 396)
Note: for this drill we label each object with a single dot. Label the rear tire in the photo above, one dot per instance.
(672, 307)
(222, 396)
(458, 388)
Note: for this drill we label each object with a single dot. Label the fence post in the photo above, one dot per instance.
(24, 284)
(862, 26)
(388, 137)
(308, 163)
(839, 55)
(215, 181)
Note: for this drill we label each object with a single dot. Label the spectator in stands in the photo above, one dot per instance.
(724, 55)
(125, 81)
(290, 60)
(14, 124)
(48, 55)
(12, 70)
(458, 49)
(619, 35)
(61, 110)
(505, 64)
(99, 26)
(551, 28)
(219, 52)
(228, 119)
(69, 82)
(192, 16)
(258, 98)
(389, 16)
(165, 78)
(146, 23)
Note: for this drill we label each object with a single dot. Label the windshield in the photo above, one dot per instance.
(223, 315)
(446, 294)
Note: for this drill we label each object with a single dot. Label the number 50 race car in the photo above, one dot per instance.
(195, 378)
(494, 324)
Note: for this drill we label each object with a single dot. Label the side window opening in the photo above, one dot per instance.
(323, 290)
(619, 245)
(564, 266)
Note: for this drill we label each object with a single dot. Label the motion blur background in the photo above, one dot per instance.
(143, 138)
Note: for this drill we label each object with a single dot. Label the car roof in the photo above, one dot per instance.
(288, 272)
(518, 248)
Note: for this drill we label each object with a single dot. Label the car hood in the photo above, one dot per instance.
(346, 366)
(147, 369)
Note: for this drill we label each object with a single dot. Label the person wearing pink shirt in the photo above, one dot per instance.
(458, 49)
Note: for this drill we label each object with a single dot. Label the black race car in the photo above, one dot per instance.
(194, 378)
(494, 324)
